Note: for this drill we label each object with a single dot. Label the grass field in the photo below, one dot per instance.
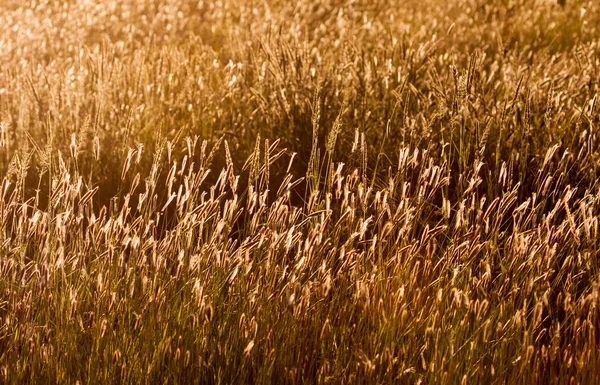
(311, 192)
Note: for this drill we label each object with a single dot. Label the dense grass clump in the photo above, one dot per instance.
(234, 192)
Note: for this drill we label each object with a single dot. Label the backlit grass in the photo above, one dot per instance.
(222, 192)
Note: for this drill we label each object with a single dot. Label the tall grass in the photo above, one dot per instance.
(299, 192)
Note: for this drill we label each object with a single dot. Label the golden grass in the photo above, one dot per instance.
(299, 192)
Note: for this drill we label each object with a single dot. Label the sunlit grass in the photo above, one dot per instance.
(299, 192)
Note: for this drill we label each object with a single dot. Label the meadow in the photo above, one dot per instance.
(310, 192)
